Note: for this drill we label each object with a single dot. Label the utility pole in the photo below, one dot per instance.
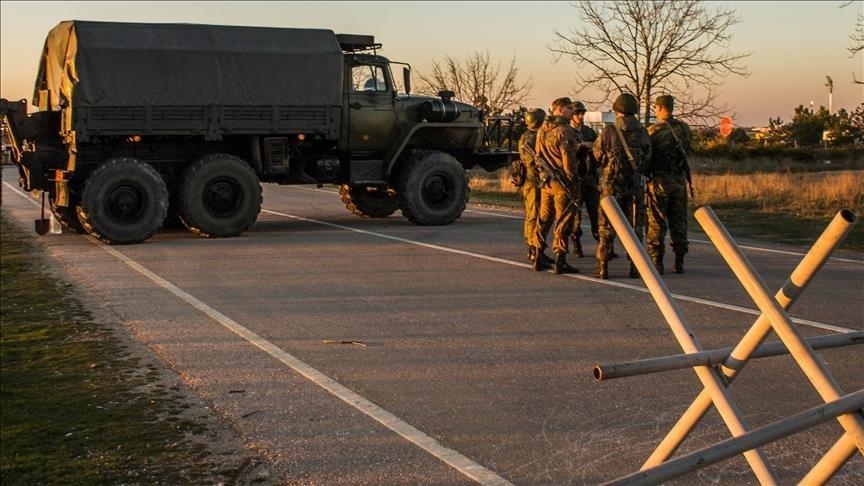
(830, 85)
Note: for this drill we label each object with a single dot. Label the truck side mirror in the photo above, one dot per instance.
(406, 79)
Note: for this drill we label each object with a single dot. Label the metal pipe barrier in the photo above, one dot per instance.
(810, 364)
(831, 237)
(773, 317)
(709, 377)
(716, 356)
(755, 438)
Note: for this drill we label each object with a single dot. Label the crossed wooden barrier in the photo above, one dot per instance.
(847, 409)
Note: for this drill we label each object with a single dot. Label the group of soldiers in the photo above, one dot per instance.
(567, 166)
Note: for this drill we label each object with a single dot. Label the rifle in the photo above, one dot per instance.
(554, 173)
(639, 180)
(685, 166)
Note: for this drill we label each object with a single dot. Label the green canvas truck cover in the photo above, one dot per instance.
(103, 64)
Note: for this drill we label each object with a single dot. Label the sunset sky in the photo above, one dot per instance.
(794, 44)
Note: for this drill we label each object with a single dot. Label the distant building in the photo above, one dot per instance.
(761, 134)
(598, 119)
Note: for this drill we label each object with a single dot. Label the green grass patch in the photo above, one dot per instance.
(76, 407)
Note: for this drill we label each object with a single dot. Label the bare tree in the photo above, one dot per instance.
(857, 37)
(477, 82)
(651, 48)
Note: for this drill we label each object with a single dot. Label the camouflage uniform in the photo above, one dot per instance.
(667, 190)
(531, 188)
(618, 179)
(555, 144)
(588, 182)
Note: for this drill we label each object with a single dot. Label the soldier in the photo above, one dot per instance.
(669, 174)
(588, 178)
(531, 188)
(555, 145)
(623, 150)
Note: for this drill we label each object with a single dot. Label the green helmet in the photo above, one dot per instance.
(534, 118)
(579, 106)
(626, 103)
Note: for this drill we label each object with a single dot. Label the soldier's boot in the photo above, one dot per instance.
(561, 265)
(612, 254)
(633, 272)
(679, 263)
(577, 247)
(540, 261)
(537, 260)
(602, 270)
(547, 261)
(658, 264)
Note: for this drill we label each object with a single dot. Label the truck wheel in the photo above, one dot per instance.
(220, 196)
(68, 216)
(368, 202)
(124, 201)
(432, 189)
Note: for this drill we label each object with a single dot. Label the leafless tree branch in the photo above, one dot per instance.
(477, 81)
(647, 48)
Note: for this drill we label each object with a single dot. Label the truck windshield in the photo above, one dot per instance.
(368, 78)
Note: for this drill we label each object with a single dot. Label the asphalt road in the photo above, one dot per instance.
(374, 351)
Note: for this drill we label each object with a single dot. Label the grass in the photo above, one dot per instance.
(787, 165)
(804, 195)
(782, 207)
(76, 406)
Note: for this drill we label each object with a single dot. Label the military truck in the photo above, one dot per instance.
(138, 122)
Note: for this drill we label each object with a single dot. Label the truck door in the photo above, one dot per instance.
(371, 114)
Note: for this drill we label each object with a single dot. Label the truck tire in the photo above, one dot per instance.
(124, 201)
(68, 216)
(368, 202)
(220, 196)
(432, 189)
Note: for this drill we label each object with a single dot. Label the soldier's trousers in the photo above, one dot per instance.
(555, 205)
(607, 233)
(591, 202)
(531, 200)
(667, 210)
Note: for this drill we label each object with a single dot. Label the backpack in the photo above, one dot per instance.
(518, 173)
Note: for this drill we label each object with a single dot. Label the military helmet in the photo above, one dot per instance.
(626, 103)
(578, 106)
(534, 118)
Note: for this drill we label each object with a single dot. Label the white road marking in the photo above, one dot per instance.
(449, 456)
(420, 439)
(593, 280)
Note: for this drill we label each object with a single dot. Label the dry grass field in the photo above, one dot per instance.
(806, 195)
(810, 194)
